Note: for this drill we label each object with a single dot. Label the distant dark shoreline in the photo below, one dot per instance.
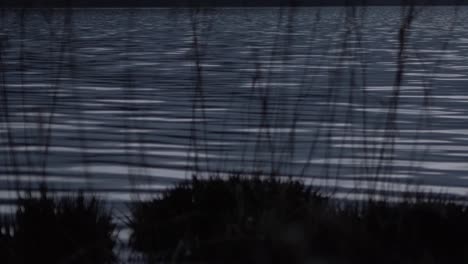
(220, 3)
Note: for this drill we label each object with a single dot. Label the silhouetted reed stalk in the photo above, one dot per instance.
(74, 80)
(198, 134)
(21, 17)
(129, 89)
(56, 83)
(10, 159)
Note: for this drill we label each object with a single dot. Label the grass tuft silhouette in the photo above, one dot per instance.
(48, 229)
(267, 220)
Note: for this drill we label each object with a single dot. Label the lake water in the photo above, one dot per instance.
(117, 100)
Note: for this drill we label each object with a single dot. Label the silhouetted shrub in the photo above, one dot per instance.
(237, 220)
(74, 229)
(253, 220)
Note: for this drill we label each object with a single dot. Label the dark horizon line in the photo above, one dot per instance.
(221, 3)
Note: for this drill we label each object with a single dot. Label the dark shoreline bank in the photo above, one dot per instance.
(243, 220)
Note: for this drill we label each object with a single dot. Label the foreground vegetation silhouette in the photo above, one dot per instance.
(239, 220)
(47, 229)
(254, 220)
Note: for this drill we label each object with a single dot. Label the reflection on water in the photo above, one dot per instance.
(117, 100)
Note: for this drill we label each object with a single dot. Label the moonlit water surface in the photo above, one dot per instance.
(116, 100)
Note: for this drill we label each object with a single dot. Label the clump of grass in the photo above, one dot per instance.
(73, 229)
(425, 228)
(216, 219)
(255, 220)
